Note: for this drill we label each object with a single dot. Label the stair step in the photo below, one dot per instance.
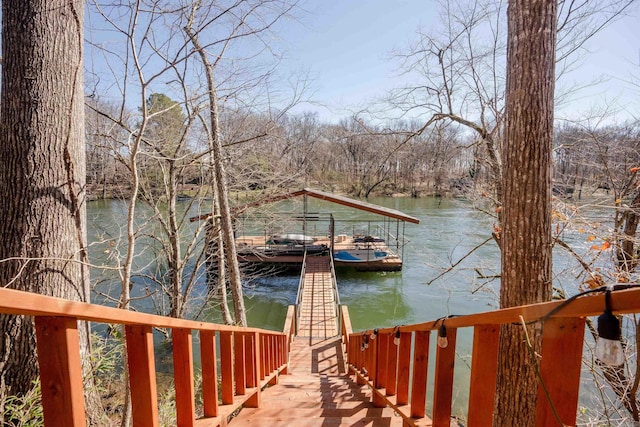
(286, 421)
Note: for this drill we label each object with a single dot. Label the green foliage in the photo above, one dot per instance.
(25, 411)
(106, 355)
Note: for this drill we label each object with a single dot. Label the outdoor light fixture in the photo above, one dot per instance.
(443, 342)
(396, 336)
(366, 342)
(374, 334)
(608, 346)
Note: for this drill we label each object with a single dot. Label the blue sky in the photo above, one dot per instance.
(346, 46)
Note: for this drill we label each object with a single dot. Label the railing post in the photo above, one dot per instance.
(404, 368)
(239, 362)
(367, 357)
(253, 368)
(226, 366)
(382, 361)
(562, 342)
(209, 373)
(419, 382)
(352, 354)
(263, 356)
(274, 354)
(376, 346)
(58, 348)
(484, 370)
(267, 354)
(360, 359)
(279, 352)
(249, 363)
(142, 375)
(183, 377)
(443, 381)
(392, 366)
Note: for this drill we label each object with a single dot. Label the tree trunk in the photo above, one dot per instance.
(174, 251)
(222, 193)
(42, 177)
(625, 254)
(526, 220)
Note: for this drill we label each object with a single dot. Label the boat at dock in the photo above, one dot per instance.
(360, 255)
(290, 238)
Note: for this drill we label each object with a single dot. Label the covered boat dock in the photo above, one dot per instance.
(364, 244)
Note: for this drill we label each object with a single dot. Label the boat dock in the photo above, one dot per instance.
(365, 244)
(256, 249)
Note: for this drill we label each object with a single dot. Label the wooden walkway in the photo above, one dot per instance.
(318, 317)
(316, 392)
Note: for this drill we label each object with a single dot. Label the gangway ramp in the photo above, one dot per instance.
(318, 299)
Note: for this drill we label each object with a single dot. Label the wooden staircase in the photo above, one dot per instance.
(317, 392)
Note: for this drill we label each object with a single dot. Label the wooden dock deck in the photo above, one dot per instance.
(318, 314)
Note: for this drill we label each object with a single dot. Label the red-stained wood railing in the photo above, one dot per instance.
(249, 358)
(387, 368)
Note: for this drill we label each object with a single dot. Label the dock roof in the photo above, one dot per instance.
(340, 200)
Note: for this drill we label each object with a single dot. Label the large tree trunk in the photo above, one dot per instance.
(42, 177)
(526, 220)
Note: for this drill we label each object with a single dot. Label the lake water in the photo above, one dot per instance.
(448, 229)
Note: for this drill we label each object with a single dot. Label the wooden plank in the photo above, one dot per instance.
(443, 381)
(226, 366)
(183, 377)
(419, 380)
(239, 357)
(209, 373)
(392, 367)
(367, 356)
(350, 352)
(347, 329)
(274, 354)
(279, 353)
(562, 341)
(58, 349)
(254, 368)
(250, 359)
(484, 370)
(267, 355)
(404, 368)
(142, 375)
(383, 360)
(375, 346)
(263, 357)
(360, 357)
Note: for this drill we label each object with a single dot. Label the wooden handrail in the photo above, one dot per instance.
(30, 304)
(250, 358)
(387, 368)
(622, 302)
